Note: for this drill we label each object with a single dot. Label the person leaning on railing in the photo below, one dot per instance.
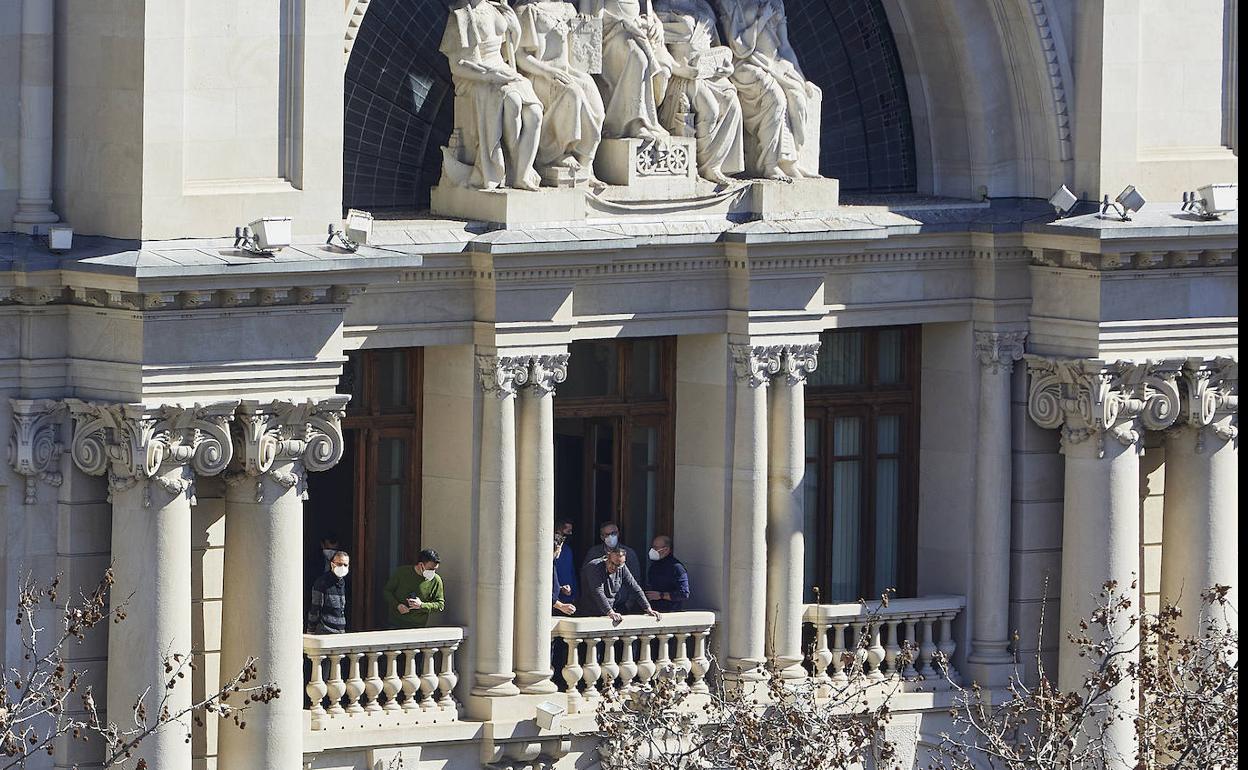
(415, 591)
(610, 587)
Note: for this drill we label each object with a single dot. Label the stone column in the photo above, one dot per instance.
(746, 619)
(990, 546)
(1200, 519)
(276, 444)
(1102, 409)
(151, 456)
(496, 531)
(536, 379)
(34, 197)
(786, 465)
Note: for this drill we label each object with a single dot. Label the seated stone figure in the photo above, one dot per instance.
(778, 104)
(635, 70)
(497, 114)
(701, 92)
(572, 105)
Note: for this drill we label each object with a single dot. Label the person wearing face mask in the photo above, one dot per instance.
(609, 532)
(327, 611)
(667, 583)
(415, 591)
(565, 566)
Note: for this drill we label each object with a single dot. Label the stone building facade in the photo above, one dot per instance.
(917, 378)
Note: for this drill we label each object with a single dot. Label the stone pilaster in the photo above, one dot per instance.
(786, 465)
(535, 378)
(1102, 409)
(1200, 520)
(275, 445)
(496, 530)
(34, 197)
(151, 456)
(35, 447)
(990, 546)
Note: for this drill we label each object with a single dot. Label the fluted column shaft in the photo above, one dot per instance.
(1200, 520)
(535, 518)
(276, 445)
(786, 465)
(34, 197)
(747, 614)
(151, 456)
(496, 531)
(990, 545)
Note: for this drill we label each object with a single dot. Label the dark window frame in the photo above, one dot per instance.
(869, 401)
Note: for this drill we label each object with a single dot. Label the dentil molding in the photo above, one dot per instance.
(1089, 398)
(283, 440)
(997, 351)
(35, 446)
(162, 445)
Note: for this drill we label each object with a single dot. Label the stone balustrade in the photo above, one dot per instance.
(601, 655)
(859, 640)
(382, 678)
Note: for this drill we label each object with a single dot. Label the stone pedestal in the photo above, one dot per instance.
(770, 199)
(506, 206)
(652, 169)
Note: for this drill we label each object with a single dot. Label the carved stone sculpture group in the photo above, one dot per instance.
(541, 84)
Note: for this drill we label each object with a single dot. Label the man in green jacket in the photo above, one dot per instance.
(414, 592)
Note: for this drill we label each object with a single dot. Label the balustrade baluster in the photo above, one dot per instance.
(411, 682)
(355, 684)
(682, 662)
(335, 686)
(893, 648)
(700, 664)
(610, 669)
(316, 688)
(392, 684)
(838, 653)
(372, 684)
(823, 654)
(912, 648)
(628, 668)
(875, 652)
(592, 670)
(572, 672)
(927, 650)
(447, 678)
(664, 660)
(428, 678)
(947, 645)
(646, 666)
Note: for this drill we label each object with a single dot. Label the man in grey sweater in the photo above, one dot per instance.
(610, 587)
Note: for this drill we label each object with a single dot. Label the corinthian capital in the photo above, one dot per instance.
(1211, 398)
(282, 440)
(35, 445)
(751, 366)
(497, 375)
(997, 351)
(794, 362)
(540, 372)
(1089, 399)
(161, 445)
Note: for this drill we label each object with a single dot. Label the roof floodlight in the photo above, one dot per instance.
(1212, 200)
(359, 225)
(1063, 201)
(1127, 202)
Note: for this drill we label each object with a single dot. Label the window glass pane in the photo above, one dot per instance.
(643, 486)
(888, 434)
(810, 511)
(643, 375)
(352, 381)
(845, 436)
(592, 370)
(389, 516)
(391, 372)
(846, 509)
(889, 369)
(887, 495)
(840, 360)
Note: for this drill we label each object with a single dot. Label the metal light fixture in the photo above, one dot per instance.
(263, 237)
(60, 238)
(359, 225)
(1063, 201)
(1127, 202)
(339, 239)
(1212, 200)
(548, 714)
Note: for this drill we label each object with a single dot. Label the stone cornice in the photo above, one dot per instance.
(1210, 399)
(997, 351)
(35, 446)
(181, 300)
(281, 440)
(1089, 398)
(137, 444)
(1136, 260)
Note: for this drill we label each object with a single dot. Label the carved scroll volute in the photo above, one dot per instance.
(35, 446)
(1162, 400)
(323, 434)
(496, 377)
(1211, 398)
(540, 372)
(283, 440)
(751, 366)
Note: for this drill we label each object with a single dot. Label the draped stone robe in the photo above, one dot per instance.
(634, 70)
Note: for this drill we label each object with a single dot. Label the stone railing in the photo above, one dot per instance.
(601, 655)
(382, 678)
(859, 639)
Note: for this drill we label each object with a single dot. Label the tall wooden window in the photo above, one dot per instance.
(861, 480)
(371, 499)
(614, 447)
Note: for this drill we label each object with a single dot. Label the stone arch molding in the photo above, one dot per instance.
(355, 10)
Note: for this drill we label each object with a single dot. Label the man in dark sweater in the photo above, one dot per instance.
(667, 584)
(610, 587)
(327, 612)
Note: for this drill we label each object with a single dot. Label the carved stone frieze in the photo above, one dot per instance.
(282, 440)
(997, 351)
(35, 445)
(165, 446)
(1210, 399)
(1089, 398)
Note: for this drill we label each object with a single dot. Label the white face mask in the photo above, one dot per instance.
(428, 574)
(654, 555)
(340, 570)
(611, 540)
